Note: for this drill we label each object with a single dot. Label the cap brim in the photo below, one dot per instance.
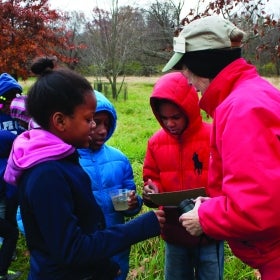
(172, 61)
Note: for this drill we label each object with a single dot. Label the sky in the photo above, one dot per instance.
(272, 7)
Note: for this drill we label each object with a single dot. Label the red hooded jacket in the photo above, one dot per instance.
(169, 160)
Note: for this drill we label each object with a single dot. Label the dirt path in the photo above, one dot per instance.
(130, 79)
(133, 79)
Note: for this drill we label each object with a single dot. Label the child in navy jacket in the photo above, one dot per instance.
(64, 226)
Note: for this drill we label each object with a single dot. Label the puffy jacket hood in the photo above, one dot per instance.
(175, 87)
(7, 82)
(103, 104)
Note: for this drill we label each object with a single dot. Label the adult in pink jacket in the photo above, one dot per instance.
(177, 158)
(244, 173)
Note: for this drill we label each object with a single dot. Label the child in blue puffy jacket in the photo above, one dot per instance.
(108, 168)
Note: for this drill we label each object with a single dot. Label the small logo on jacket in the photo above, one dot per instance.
(198, 165)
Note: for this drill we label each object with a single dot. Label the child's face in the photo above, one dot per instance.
(78, 128)
(103, 122)
(173, 119)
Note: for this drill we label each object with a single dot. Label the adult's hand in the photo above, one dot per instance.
(190, 220)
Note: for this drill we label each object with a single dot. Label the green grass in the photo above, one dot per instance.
(136, 124)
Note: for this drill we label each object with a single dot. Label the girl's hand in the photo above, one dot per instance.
(132, 200)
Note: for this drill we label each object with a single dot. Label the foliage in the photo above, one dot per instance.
(28, 29)
(268, 69)
(138, 69)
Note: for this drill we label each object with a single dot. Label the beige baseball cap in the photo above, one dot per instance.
(211, 32)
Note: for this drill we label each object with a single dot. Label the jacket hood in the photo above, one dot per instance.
(175, 88)
(103, 104)
(32, 147)
(7, 82)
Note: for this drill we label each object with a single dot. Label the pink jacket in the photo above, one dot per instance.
(169, 160)
(244, 168)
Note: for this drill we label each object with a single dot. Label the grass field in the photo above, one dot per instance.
(136, 124)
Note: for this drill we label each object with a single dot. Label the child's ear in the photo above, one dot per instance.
(59, 121)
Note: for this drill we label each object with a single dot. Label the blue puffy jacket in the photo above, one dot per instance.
(108, 168)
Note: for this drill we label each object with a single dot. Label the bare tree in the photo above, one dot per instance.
(161, 18)
(112, 37)
(268, 44)
(128, 35)
(74, 29)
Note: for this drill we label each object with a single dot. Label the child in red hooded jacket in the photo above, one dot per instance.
(177, 159)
